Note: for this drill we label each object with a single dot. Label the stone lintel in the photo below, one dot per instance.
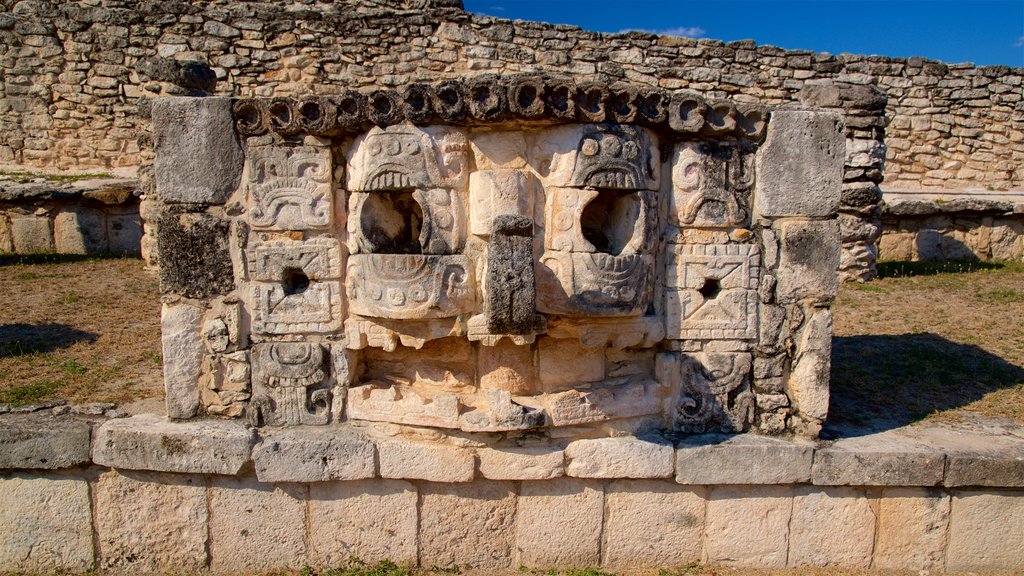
(712, 459)
(1002, 469)
(41, 441)
(151, 442)
(314, 454)
(626, 457)
(877, 461)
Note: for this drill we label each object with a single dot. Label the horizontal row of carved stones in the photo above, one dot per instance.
(314, 454)
(490, 99)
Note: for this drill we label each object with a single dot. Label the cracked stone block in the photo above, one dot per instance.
(985, 530)
(912, 525)
(32, 234)
(748, 525)
(42, 441)
(198, 156)
(412, 460)
(182, 358)
(715, 459)
(808, 260)
(494, 193)
(80, 230)
(831, 527)
(311, 454)
(619, 458)
(529, 463)
(46, 522)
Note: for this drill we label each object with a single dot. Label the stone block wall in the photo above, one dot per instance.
(77, 74)
(87, 217)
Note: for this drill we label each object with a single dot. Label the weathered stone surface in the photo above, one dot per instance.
(413, 460)
(652, 524)
(508, 366)
(43, 441)
(748, 526)
(150, 442)
(912, 524)
(808, 260)
(313, 454)
(79, 230)
(831, 527)
(714, 392)
(182, 358)
(372, 520)
(619, 458)
(558, 523)
(183, 241)
(986, 530)
(711, 291)
(800, 165)
(289, 384)
(877, 461)
(531, 463)
(46, 524)
(290, 187)
(409, 286)
(718, 459)
(565, 364)
(467, 525)
(32, 234)
(124, 232)
(808, 383)
(151, 523)
(493, 193)
(198, 155)
(254, 525)
(1004, 468)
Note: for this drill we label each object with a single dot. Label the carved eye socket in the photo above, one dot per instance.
(611, 146)
(412, 148)
(590, 147)
(630, 151)
(375, 147)
(394, 148)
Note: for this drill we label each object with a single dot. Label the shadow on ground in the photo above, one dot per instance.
(884, 382)
(27, 259)
(21, 339)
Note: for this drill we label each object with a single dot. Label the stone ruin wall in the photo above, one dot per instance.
(73, 81)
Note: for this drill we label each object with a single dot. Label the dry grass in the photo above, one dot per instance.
(79, 329)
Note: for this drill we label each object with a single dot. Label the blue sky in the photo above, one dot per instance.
(980, 31)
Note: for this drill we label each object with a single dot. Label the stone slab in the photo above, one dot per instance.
(44, 442)
(748, 525)
(198, 156)
(912, 524)
(80, 230)
(313, 454)
(182, 348)
(32, 234)
(800, 165)
(529, 463)
(46, 524)
(254, 526)
(151, 522)
(831, 527)
(558, 523)
(716, 459)
(372, 520)
(412, 460)
(467, 525)
(1002, 469)
(986, 529)
(620, 458)
(809, 255)
(654, 524)
(877, 460)
(151, 442)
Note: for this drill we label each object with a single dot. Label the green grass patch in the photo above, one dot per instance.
(903, 269)
(29, 393)
(68, 298)
(1001, 296)
(71, 367)
(866, 287)
(51, 258)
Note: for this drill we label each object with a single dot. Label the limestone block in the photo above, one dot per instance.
(313, 454)
(254, 526)
(467, 525)
(408, 459)
(800, 165)
(47, 524)
(619, 398)
(494, 193)
(124, 233)
(986, 529)
(32, 234)
(150, 442)
(147, 523)
(877, 461)
(808, 383)
(711, 185)
(198, 156)
(558, 523)
(712, 291)
(499, 151)
(808, 260)
(565, 364)
(625, 457)
(748, 525)
(80, 230)
(831, 527)
(619, 157)
(183, 358)
(403, 405)
(508, 366)
(372, 520)
(912, 524)
(715, 459)
(41, 441)
(6, 238)
(403, 157)
(1002, 467)
(530, 463)
(652, 524)
(290, 187)
(183, 240)
(409, 286)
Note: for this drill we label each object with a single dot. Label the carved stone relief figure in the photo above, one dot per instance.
(715, 393)
(404, 286)
(290, 187)
(295, 286)
(289, 380)
(711, 185)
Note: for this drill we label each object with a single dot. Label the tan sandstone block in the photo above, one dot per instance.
(565, 364)
(46, 524)
(912, 525)
(507, 366)
(620, 458)
(469, 525)
(256, 526)
(748, 525)
(32, 234)
(558, 523)
(831, 527)
(649, 523)
(411, 460)
(151, 522)
(986, 529)
(372, 520)
(530, 463)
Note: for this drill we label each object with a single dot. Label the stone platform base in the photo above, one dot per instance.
(931, 499)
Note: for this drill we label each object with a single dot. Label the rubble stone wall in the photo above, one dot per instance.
(76, 74)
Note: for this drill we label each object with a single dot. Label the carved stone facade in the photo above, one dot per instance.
(625, 260)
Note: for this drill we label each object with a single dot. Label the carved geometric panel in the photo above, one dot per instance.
(714, 393)
(711, 292)
(287, 384)
(279, 309)
(594, 284)
(290, 187)
(316, 258)
(711, 185)
(408, 286)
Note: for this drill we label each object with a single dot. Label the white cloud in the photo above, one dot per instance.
(683, 31)
(1020, 42)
